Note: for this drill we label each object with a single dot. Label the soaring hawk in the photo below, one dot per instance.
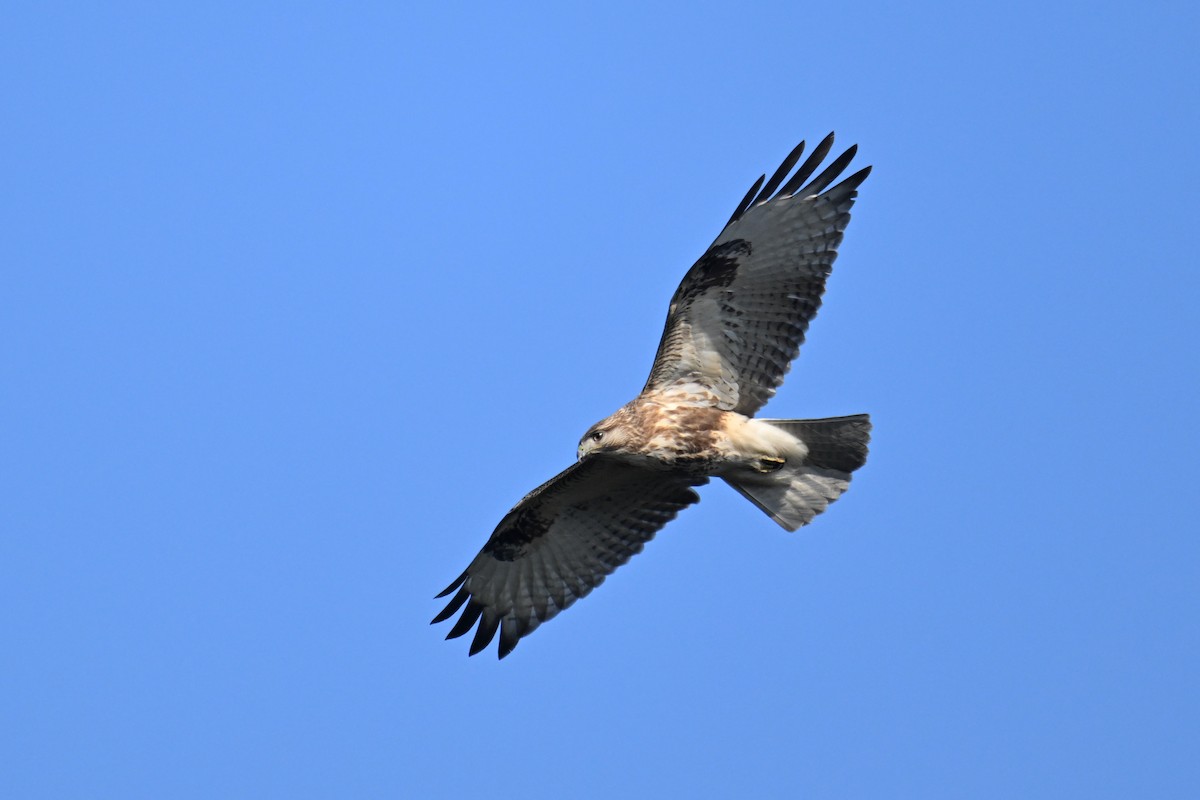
(734, 326)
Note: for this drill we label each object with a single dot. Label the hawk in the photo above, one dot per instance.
(734, 326)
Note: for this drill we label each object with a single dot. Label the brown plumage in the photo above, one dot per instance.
(734, 326)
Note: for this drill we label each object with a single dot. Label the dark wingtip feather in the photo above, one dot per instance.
(507, 645)
(472, 612)
(855, 180)
(487, 630)
(747, 200)
(452, 606)
(457, 583)
(781, 173)
(830, 174)
(511, 631)
(809, 166)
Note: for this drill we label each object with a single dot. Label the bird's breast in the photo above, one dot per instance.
(681, 436)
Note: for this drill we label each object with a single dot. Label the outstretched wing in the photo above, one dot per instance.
(559, 543)
(740, 314)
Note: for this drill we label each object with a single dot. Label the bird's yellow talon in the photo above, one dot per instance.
(768, 464)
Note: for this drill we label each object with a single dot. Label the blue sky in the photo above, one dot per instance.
(299, 299)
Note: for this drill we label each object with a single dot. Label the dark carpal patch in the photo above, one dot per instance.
(716, 269)
(508, 543)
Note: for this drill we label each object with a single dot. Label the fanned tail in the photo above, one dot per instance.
(795, 493)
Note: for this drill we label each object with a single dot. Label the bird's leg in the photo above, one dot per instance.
(767, 464)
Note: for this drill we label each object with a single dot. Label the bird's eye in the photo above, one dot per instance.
(597, 435)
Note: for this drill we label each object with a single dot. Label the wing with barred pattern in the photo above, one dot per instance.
(740, 314)
(560, 542)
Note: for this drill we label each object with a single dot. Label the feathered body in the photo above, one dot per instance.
(733, 327)
(676, 433)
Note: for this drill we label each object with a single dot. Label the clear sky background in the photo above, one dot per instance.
(297, 300)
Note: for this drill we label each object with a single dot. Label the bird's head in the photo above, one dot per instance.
(605, 436)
